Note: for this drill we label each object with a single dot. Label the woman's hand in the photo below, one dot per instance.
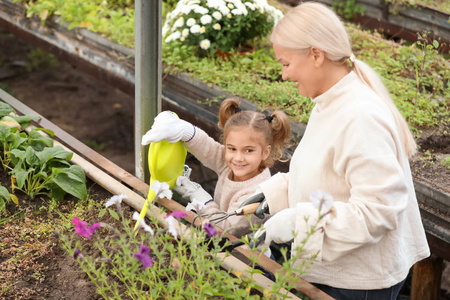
(167, 126)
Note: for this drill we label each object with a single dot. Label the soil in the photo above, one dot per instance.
(102, 117)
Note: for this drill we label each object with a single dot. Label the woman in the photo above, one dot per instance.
(356, 148)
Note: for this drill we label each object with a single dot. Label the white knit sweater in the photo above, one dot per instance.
(351, 150)
(228, 194)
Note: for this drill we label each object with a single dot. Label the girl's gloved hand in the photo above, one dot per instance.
(191, 190)
(167, 126)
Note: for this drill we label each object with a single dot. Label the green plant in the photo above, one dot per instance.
(47, 172)
(222, 25)
(348, 8)
(172, 262)
(422, 61)
(445, 161)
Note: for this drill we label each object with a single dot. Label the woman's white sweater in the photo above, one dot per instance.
(351, 149)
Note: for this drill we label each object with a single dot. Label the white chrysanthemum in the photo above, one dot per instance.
(224, 10)
(195, 28)
(205, 44)
(165, 29)
(186, 9)
(205, 19)
(201, 10)
(141, 223)
(217, 15)
(321, 200)
(182, 39)
(230, 5)
(250, 5)
(229, 16)
(236, 12)
(242, 8)
(202, 29)
(215, 3)
(191, 22)
(217, 26)
(185, 33)
(178, 23)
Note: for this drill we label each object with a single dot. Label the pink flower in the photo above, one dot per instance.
(177, 214)
(144, 257)
(82, 229)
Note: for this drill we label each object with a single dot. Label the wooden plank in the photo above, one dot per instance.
(426, 279)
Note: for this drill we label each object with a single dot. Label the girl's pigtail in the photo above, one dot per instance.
(281, 131)
(228, 108)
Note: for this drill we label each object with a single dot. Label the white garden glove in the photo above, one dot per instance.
(281, 226)
(167, 126)
(192, 191)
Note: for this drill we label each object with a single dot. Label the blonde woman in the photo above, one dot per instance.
(355, 148)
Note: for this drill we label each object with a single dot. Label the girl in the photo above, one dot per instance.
(251, 143)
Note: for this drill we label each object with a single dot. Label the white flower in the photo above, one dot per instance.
(141, 223)
(178, 23)
(165, 29)
(190, 22)
(230, 6)
(321, 200)
(195, 205)
(236, 12)
(161, 189)
(205, 44)
(202, 29)
(173, 36)
(185, 33)
(224, 10)
(206, 19)
(217, 15)
(172, 229)
(116, 200)
(217, 26)
(250, 5)
(201, 10)
(229, 17)
(186, 9)
(195, 28)
(215, 3)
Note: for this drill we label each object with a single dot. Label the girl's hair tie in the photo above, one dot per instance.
(269, 119)
(237, 109)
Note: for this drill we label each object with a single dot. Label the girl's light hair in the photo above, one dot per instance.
(313, 24)
(277, 131)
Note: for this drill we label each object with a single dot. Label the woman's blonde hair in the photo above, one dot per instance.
(276, 128)
(313, 24)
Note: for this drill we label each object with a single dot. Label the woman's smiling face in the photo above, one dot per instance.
(300, 68)
(245, 149)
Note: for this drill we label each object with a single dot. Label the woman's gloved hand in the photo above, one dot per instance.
(281, 226)
(192, 190)
(167, 126)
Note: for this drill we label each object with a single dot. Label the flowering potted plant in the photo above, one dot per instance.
(219, 24)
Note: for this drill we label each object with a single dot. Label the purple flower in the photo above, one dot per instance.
(210, 229)
(177, 214)
(77, 253)
(144, 257)
(82, 229)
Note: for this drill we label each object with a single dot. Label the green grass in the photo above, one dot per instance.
(256, 76)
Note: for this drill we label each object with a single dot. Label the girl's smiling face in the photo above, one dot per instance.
(245, 149)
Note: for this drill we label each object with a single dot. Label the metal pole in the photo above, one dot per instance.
(148, 19)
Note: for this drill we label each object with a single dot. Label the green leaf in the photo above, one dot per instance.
(24, 121)
(21, 176)
(2, 205)
(57, 152)
(70, 182)
(113, 214)
(31, 157)
(56, 192)
(4, 193)
(5, 109)
(102, 213)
